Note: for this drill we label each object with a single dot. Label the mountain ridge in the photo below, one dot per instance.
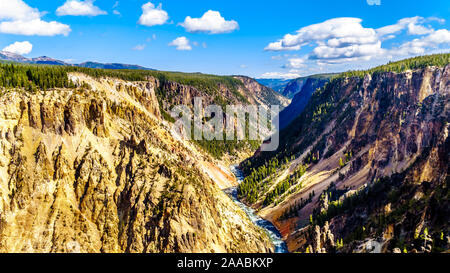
(301, 98)
(296, 85)
(369, 151)
(89, 164)
(9, 56)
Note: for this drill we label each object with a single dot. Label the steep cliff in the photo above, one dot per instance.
(261, 95)
(301, 98)
(365, 167)
(94, 168)
(311, 83)
(277, 85)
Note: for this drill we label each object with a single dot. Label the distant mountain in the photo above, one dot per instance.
(306, 87)
(296, 85)
(277, 85)
(9, 56)
(111, 66)
(47, 60)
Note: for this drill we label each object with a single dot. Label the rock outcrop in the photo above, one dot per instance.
(302, 91)
(305, 84)
(95, 169)
(261, 95)
(377, 148)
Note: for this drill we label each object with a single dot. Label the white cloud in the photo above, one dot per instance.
(280, 75)
(412, 24)
(153, 37)
(115, 11)
(278, 46)
(211, 22)
(181, 43)
(34, 27)
(388, 37)
(334, 39)
(439, 20)
(139, 47)
(340, 44)
(152, 16)
(17, 10)
(438, 37)
(16, 17)
(338, 30)
(295, 63)
(339, 41)
(277, 57)
(422, 45)
(418, 30)
(346, 53)
(21, 48)
(374, 2)
(79, 8)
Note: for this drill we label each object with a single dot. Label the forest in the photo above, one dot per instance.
(33, 78)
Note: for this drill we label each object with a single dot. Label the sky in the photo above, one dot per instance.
(261, 39)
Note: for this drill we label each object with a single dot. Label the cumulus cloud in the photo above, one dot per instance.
(334, 40)
(346, 53)
(337, 42)
(278, 46)
(295, 63)
(343, 40)
(79, 8)
(181, 43)
(21, 48)
(34, 27)
(412, 24)
(211, 22)
(422, 45)
(16, 17)
(338, 37)
(17, 10)
(152, 16)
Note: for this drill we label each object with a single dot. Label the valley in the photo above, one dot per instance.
(93, 167)
(90, 162)
(365, 166)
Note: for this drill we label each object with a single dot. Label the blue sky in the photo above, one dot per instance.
(235, 37)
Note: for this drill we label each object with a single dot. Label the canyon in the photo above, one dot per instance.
(365, 166)
(97, 169)
(90, 162)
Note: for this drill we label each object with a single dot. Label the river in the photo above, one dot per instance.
(270, 229)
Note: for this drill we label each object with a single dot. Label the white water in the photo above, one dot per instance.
(269, 228)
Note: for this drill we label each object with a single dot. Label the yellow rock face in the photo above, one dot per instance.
(96, 171)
